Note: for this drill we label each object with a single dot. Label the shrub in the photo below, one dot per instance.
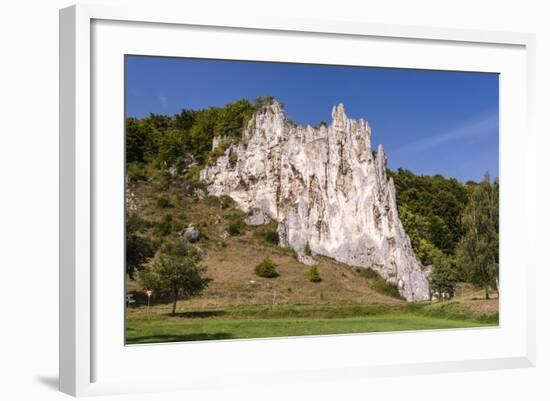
(378, 283)
(266, 268)
(267, 235)
(313, 274)
(177, 226)
(166, 226)
(226, 201)
(234, 216)
(383, 287)
(136, 171)
(307, 249)
(235, 228)
(135, 224)
(216, 153)
(192, 175)
(162, 180)
(233, 158)
(212, 200)
(164, 203)
(368, 273)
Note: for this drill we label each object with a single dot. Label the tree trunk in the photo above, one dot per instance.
(486, 292)
(175, 301)
(497, 287)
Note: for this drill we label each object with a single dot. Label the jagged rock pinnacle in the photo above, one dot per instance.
(325, 188)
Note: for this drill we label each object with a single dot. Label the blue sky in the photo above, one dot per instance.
(430, 122)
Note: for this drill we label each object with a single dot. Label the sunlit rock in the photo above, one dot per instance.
(325, 187)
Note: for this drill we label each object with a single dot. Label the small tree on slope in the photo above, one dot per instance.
(177, 274)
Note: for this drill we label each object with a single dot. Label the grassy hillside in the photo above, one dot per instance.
(240, 304)
(231, 259)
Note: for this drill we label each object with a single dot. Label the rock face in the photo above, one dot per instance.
(325, 187)
(191, 234)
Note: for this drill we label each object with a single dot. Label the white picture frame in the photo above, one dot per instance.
(91, 40)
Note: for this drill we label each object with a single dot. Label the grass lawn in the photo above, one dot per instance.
(262, 322)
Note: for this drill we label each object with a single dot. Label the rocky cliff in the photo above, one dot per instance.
(325, 187)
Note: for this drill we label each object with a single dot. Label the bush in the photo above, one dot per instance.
(212, 200)
(383, 287)
(164, 203)
(266, 268)
(162, 180)
(307, 249)
(136, 171)
(192, 175)
(368, 273)
(267, 235)
(226, 201)
(233, 158)
(166, 226)
(235, 228)
(135, 224)
(378, 283)
(223, 202)
(216, 153)
(313, 274)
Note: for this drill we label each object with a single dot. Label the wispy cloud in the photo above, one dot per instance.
(480, 126)
(163, 100)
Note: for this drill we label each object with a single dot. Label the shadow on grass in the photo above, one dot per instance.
(199, 314)
(483, 299)
(162, 338)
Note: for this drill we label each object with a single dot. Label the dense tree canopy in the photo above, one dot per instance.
(453, 227)
(138, 249)
(436, 201)
(165, 140)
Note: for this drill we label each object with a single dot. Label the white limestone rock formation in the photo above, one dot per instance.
(324, 186)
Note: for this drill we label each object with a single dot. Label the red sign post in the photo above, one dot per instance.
(149, 293)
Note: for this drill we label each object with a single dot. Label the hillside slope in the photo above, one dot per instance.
(231, 259)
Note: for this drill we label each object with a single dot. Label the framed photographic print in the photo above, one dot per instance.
(258, 190)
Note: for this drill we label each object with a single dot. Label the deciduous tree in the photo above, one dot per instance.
(177, 273)
(477, 251)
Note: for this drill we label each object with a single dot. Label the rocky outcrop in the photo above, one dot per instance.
(325, 187)
(191, 234)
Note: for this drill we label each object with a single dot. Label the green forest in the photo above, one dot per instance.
(174, 141)
(453, 227)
